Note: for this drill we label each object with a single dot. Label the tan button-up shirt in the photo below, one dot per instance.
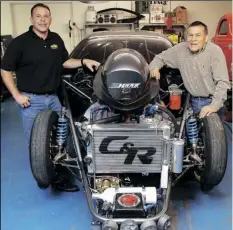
(203, 74)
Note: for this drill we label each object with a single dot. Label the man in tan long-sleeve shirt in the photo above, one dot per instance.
(203, 68)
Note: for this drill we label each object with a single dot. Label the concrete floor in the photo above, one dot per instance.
(25, 207)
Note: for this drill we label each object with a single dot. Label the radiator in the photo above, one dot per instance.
(130, 148)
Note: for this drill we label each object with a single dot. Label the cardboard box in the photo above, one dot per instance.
(157, 18)
(156, 8)
(181, 15)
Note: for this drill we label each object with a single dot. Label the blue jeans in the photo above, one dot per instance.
(37, 104)
(199, 103)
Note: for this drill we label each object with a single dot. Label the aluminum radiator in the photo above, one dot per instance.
(130, 148)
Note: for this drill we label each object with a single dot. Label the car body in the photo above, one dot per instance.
(223, 38)
(99, 45)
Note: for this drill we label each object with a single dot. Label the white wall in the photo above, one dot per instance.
(6, 19)
(197, 10)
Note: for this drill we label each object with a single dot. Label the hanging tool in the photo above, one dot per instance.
(70, 33)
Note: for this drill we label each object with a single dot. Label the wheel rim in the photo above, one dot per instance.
(53, 148)
(198, 171)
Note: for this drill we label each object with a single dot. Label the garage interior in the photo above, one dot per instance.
(23, 205)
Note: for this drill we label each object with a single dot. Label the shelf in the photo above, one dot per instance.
(161, 24)
(109, 24)
(141, 25)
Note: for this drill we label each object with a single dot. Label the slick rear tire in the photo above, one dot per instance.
(42, 137)
(215, 152)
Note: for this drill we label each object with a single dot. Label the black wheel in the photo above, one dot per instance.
(215, 152)
(42, 147)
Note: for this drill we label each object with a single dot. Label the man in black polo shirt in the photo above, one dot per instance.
(37, 57)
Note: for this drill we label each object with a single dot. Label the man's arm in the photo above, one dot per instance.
(71, 63)
(75, 63)
(220, 76)
(167, 57)
(8, 80)
(10, 60)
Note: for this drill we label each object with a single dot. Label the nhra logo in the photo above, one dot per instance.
(124, 85)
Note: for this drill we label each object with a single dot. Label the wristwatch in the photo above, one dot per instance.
(82, 62)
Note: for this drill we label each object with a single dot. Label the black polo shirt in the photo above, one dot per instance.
(36, 62)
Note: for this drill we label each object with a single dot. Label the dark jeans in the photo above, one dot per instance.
(37, 104)
(199, 103)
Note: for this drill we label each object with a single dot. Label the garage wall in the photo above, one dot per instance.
(196, 11)
(9, 17)
(6, 19)
(59, 24)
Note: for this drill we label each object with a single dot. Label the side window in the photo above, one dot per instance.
(223, 29)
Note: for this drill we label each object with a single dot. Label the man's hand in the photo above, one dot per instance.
(22, 100)
(206, 111)
(90, 64)
(154, 73)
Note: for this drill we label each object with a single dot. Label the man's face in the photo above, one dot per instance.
(41, 19)
(196, 38)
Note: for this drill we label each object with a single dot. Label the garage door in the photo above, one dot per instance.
(61, 14)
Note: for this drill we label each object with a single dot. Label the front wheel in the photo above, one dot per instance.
(215, 152)
(42, 147)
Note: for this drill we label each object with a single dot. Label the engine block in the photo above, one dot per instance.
(129, 148)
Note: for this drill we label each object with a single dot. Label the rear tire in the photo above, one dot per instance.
(42, 136)
(215, 152)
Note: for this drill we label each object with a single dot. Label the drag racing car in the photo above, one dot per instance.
(128, 138)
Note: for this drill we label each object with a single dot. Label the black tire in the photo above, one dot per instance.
(42, 166)
(215, 152)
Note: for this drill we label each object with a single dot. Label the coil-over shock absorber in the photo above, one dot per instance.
(192, 133)
(62, 127)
